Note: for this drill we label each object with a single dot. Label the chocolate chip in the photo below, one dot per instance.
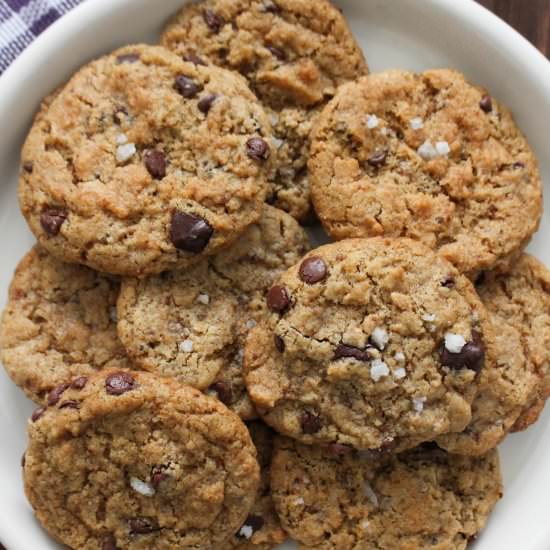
(257, 149)
(343, 351)
(55, 395)
(277, 52)
(194, 58)
(23, 460)
(70, 404)
(214, 21)
(205, 104)
(271, 7)
(518, 166)
(448, 282)
(378, 158)
(38, 413)
(313, 270)
(189, 232)
(155, 162)
(486, 104)
(141, 526)
(279, 343)
(471, 357)
(337, 449)
(158, 475)
(224, 392)
(187, 87)
(253, 522)
(310, 423)
(79, 383)
(481, 279)
(51, 221)
(127, 58)
(277, 299)
(119, 383)
(28, 167)
(109, 543)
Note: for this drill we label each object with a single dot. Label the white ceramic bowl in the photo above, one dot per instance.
(412, 34)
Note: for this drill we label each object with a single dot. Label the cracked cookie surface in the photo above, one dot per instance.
(424, 498)
(293, 53)
(513, 394)
(59, 323)
(131, 460)
(192, 324)
(427, 156)
(144, 162)
(373, 343)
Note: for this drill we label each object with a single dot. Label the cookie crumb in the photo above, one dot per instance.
(186, 346)
(113, 314)
(141, 487)
(125, 152)
(454, 342)
(378, 370)
(278, 143)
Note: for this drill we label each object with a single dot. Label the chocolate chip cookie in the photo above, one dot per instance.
(192, 324)
(135, 461)
(262, 529)
(421, 499)
(59, 323)
(144, 162)
(427, 156)
(372, 343)
(515, 390)
(294, 54)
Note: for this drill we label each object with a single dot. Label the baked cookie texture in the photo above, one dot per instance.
(427, 156)
(132, 178)
(293, 53)
(130, 460)
(372, 343)
(192, 324)
(59, 323)
(424, 498)
(262, 529)
(515, 391)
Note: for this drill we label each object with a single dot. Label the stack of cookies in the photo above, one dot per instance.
(204, 379)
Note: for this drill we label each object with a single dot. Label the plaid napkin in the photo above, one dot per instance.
(21, 21)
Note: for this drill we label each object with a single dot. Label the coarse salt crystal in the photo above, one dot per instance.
(417, 123)
(278, 143)
(250, 324)
(429, 317)
(399, 373)
(384, 131)
(299, 501)
(141, 487)
(186, 346)
(365, 524)
(427, 151)
(418, 403)
(372, 122)
(380, 337)
(125, 152)
(400, 356)
(378, 370)
(442, 148)
(246, 531)
(454, 343)
(121, 139)
(369, 493)
(203, 298)
(274, 119)
(240, 355)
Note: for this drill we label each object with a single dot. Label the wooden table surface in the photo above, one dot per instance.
(530, 17)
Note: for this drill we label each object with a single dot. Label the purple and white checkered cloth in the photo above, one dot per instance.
(21, 21)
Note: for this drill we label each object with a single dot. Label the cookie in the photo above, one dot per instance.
(144, 162)
(514, 392)
(426, 156)
(59, 323)
(262, 529)
(192, 324)
(372, 343)
(424, 498)
(293, 53)
(135, 461)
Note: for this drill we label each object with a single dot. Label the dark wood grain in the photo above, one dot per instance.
(530, 17)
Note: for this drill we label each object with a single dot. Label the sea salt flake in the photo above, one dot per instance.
(418, 403)
(399, 373)
(427, 151)
(372, 122)
(384, 131)
(442, 148)
(278, 143)
(417, 123)
(203, 298)
(141, 487)
(380, 337)
(429, 317)
(378, 370)
(250, 324)
(454, 342)
(400, 357)
(186, 346)
(246, 531)
(274, 119)
(125, 152)
(121, 139)
(365, 524)
(299, 501)
(370, 494)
